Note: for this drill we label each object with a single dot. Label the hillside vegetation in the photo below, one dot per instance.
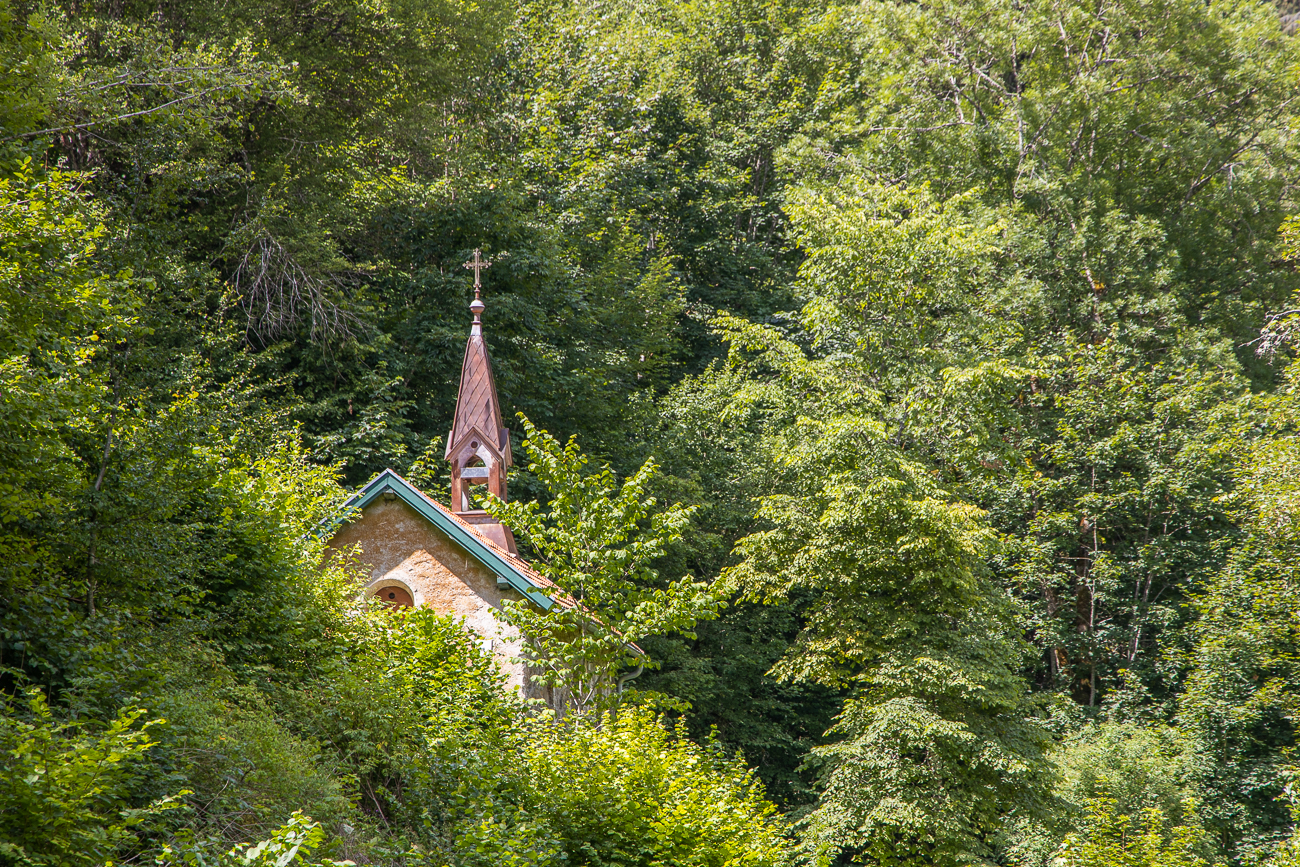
(962, 335)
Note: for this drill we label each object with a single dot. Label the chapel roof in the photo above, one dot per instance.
(509, 568)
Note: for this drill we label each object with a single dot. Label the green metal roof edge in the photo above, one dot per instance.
(499, 566)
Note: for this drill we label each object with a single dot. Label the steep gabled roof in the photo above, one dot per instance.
(508, 568)
(478, 409)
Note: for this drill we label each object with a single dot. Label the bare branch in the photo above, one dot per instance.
(142, 112)
(1281, 328)
(278, 294)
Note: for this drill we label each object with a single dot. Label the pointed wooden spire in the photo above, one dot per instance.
(478, 447)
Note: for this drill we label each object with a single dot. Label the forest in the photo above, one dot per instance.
(942, 352)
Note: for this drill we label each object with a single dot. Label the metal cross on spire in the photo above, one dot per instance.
(478, 263)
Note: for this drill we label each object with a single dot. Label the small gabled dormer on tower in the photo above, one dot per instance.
(478, 447)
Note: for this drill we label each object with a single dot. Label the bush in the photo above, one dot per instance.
(1108, 838)
(290, 844)
(65, 788)
(630, 791)
(1124, 791)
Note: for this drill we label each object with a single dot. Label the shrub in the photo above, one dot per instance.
(631, 791)
(65, 787)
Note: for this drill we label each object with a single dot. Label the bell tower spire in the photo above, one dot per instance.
(478, 447)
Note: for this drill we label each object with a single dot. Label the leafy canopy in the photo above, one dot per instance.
(939, 742)
(598, 541)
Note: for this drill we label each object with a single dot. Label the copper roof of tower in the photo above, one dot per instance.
(478, 410)
(477, 406)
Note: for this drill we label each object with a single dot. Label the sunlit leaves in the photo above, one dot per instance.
(937, 743)
(597, 539)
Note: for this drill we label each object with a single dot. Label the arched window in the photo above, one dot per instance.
(395, 597)
(475, 472)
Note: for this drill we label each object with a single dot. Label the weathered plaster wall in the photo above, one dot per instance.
(403, 548)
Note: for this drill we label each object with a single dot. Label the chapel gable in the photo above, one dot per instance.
(458, 561)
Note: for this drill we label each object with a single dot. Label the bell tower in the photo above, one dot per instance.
(478, 447)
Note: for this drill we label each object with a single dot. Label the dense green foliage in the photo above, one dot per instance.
(962, 333)
(597, 540)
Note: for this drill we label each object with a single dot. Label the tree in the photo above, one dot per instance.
(27, 83)
(597, 540)
(54, 309)
(1241, 705)
(1116, 775)
(633, 791)
(939, 742)
(712, 453)
(1047, 244)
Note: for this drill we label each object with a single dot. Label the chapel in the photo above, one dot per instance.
(458, 561)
